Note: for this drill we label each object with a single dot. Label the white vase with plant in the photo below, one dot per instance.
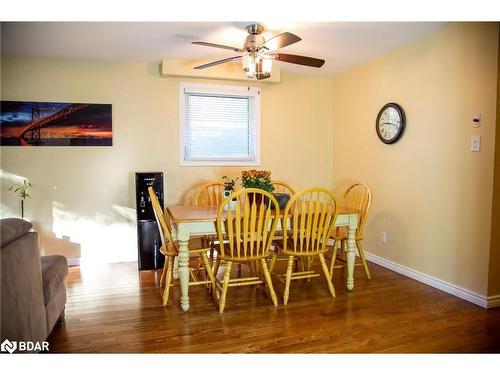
(228, 190)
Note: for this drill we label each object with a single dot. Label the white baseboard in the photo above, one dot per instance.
(494, 301)
(478, 299)
(73, 262)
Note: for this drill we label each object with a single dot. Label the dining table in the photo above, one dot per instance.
(191, 220)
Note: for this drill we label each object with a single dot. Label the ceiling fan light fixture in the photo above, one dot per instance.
(248, 63)
(246, 60)
(259, 70)
(267, 64)
(257, 66)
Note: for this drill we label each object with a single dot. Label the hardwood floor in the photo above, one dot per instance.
(118, 309)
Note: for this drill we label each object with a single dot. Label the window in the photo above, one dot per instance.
(219, 125)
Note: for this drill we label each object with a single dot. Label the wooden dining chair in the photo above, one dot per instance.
(311, 214)
(210, 194)
(170, 250)
(357, 197)
(245, 237)
(283, 187)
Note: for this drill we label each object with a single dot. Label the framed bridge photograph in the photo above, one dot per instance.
(55, 124)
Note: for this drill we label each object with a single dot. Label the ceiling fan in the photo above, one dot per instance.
(258, 53)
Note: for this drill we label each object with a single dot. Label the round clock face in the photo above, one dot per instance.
(390, 123)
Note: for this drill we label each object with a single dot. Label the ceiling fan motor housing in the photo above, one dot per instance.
(254, 39)
(252, 42)
(255, 29)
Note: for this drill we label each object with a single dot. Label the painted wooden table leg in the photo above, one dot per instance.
(176, 268)
(176, 259)
(351, 251)
(183, 240)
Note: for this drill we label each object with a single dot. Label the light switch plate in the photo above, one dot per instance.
(475, 143)
(476, 120)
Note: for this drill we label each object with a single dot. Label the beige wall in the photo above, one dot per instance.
(494, 273)
(432, 195)
(87, 193)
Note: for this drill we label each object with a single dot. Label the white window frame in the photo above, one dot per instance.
(218, 89)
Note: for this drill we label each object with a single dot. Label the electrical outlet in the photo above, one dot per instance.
(383, 237)
(475, 143)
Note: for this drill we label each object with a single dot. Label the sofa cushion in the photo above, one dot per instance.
(11, 229)
(54, 272)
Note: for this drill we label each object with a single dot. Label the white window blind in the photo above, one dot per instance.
(219, 125)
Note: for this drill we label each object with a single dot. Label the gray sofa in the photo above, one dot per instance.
(33, 290)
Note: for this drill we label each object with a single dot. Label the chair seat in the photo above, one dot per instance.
(341, 233)
(278, 244)
(195, 245)
(216, 246)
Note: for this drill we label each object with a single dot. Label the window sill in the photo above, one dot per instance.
(245, 163)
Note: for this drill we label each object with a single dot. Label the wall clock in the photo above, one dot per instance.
(390, 123)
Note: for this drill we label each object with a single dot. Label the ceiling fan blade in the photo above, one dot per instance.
(280, 41)
(213, 63)
(300, 60)
(207, 44)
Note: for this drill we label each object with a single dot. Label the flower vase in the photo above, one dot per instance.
(257, 198)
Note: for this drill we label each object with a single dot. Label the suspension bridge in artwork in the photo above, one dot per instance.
(31, 133)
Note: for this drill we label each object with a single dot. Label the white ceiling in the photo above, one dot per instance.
(342, 44)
